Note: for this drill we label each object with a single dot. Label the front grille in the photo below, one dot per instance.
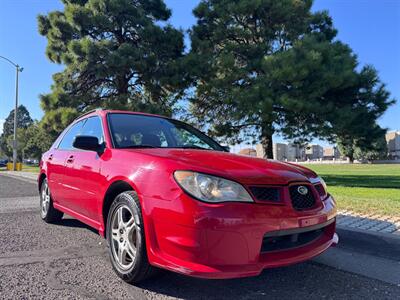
(286, 242)
(266, 193)
(320, 189)
(296, 237)
(301, 201)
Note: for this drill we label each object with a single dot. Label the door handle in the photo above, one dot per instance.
(70, 159)
(50, 157)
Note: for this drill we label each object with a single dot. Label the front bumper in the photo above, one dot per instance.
(227, 240)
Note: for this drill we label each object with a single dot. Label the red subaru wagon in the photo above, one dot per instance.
(167, 196)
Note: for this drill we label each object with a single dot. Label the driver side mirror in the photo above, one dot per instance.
(226, 148)
(86, 142)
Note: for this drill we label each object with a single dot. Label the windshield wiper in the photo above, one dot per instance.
(192, 147)
(139, 146)
(177, 147)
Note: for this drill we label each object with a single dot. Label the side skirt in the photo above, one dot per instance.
(88, 221)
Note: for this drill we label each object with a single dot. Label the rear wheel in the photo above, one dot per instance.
(47, 211)
(126, 240)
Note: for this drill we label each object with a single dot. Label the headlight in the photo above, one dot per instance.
(323, 184)
(211, 188)
(318, 179)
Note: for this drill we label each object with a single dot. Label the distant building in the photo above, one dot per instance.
(314, 152)
(331, 153)
(292, 152)
(295, 151)
(248, 151)
(393, 144)
(260, 151)
(280, 151)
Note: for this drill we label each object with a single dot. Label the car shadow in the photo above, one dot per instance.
(183, 287)
(307, 280)
(73, 223)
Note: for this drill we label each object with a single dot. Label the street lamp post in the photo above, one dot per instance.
(18, 69)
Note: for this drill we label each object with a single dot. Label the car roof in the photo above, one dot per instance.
(103, 112)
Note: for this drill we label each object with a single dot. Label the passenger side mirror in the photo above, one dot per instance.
(86, 142)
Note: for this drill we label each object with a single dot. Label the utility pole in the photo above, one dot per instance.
(15, 143)
(18, 69)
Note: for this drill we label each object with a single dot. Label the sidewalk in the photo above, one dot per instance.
(369, 222)
(31, 176)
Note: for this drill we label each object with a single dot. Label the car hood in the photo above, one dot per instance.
(241, 168)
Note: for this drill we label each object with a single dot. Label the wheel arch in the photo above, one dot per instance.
(115, 188)
(41, 178)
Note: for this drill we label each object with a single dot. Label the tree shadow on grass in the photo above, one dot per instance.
(367, 181)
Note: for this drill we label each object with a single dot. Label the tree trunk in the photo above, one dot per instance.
(266, 139)
(122, 86)
(350, 153)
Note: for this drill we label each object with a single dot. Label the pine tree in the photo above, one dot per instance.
(117, 54)
(265, 67)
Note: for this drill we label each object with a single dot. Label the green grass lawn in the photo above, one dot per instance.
(34, 169)
(25, 168)
(363, 188)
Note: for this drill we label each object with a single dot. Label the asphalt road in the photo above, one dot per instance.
(69, 260)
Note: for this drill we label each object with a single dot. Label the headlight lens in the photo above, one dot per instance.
(323, 184)
(211, 188)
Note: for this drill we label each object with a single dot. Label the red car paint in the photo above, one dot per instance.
(183, 234)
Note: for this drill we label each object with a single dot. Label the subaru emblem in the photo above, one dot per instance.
(302, 190)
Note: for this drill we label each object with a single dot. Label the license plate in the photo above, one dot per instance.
(310, 221)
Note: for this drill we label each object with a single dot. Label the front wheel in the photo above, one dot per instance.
(126, 240)
(47, 211)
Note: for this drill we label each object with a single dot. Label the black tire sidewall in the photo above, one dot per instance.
(43, 186)
(131, 200)
(52, 214)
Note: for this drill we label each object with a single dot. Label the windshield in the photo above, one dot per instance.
(140, 131)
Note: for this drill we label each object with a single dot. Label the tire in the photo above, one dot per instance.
(47, 211)
(126, 239)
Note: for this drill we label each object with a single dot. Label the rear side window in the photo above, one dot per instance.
(92, 127)
(68, 138)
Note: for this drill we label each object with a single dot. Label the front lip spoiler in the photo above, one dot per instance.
(299, 230)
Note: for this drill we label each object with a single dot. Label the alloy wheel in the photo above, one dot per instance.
(124, 235)
(45, 200)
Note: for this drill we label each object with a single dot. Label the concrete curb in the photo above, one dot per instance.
(369, 221)
(23, 176)
(385, 245)
(393, 235)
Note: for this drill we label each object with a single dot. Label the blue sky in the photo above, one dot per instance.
(370, 27)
